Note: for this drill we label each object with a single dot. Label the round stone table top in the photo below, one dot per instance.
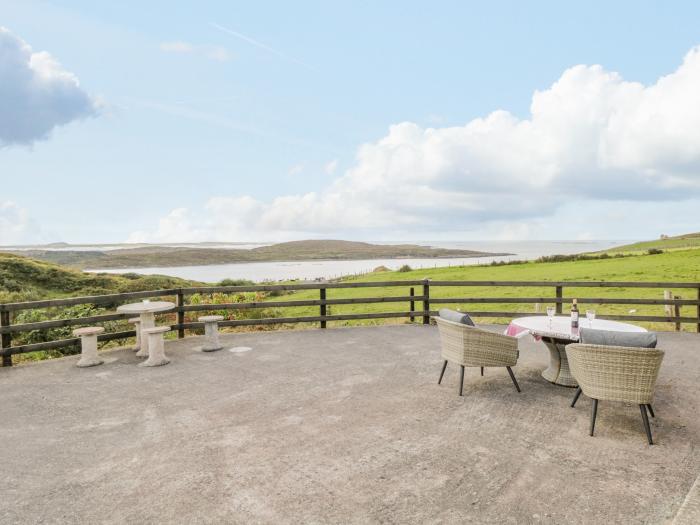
(145, 307)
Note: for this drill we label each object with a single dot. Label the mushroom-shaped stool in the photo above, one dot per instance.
(88, 345)
(156, 346)
(211, 332)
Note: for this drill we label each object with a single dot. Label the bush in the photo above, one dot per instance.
(405, 268)
(654, 251)
(235, 282)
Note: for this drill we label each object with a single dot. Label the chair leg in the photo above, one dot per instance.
(651, 410)
(594, 412)
(576, 395)
(482, 372)
(461, 379)
(512, 376)
(442, 373)
(645, 419)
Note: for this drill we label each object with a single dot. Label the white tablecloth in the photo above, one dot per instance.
(539, 326)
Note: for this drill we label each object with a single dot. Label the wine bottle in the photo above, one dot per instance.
(574, 315)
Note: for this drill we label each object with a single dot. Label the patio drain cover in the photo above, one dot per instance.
(240, 349)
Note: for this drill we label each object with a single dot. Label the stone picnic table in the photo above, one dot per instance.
(146, 310)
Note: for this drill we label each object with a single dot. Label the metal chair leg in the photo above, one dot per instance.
(442, 373)
(645, 419)
(482, 370)
(512, 376)
(576, 395)
(594, 412)
(461, 379)
(651, 410)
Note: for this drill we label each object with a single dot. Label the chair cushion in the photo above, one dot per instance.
(455, 317)
(591, 336)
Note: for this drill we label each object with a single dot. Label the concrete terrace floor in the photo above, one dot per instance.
(337, 426)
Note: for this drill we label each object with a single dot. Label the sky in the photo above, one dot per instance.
(229, 121)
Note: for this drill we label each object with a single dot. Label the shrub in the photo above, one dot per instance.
(235, 282)
(654, 251)
(405, 268)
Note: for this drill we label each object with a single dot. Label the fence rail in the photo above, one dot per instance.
(425, 299)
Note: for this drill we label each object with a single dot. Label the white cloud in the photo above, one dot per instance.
(16, 227)
(296, 169)
(330, 167)
(36, 93)
(216, 53)
(177, 226)
(590, 137)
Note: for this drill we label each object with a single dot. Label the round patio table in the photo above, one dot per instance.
(556, 334)
(145, 310)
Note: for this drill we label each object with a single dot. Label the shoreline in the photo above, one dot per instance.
(292, 261)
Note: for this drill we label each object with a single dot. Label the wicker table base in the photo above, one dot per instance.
(558, 371)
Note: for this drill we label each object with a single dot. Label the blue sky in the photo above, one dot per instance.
(271, 121)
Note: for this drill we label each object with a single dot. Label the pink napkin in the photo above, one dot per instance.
(514, 330)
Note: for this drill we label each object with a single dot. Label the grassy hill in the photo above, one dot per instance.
(167, 256)
(688, 240)
(26, 279)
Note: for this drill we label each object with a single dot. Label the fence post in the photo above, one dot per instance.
(559, 294)
(6, 338)
(323, 305)
(668, 308)
(698, 313)
(412, 304)
(426, 301)
(180, 314)
(677, 313)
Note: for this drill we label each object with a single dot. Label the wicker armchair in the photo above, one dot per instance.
(615, 373)
(470, 346)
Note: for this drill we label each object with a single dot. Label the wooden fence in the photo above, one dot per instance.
(8, 328)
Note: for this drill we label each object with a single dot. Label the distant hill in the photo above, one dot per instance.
(25, 279)
(168, 256)
(688, 240)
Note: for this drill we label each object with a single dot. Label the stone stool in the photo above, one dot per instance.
(211, 332)
(156, 346)
(136, 321)
(88, 344)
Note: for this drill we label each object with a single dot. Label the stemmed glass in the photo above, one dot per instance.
(550, 313)
(590, 315)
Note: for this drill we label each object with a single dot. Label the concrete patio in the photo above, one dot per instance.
(338, 426)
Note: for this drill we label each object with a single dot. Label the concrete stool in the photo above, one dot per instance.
(136, 321)
(88, 344)
(156, 346)
(211, 332)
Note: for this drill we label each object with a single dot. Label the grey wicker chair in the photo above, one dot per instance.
(469, 346)
(615, 373)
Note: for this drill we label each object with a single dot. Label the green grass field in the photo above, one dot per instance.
(679, 266)
(690, 240)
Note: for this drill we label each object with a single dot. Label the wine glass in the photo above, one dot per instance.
(590, 315)
(550, 313)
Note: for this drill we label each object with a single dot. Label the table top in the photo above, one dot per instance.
(560, 328)
(146, 307)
